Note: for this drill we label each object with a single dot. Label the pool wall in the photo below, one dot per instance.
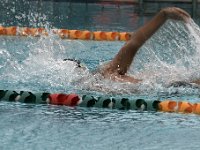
(76, 15)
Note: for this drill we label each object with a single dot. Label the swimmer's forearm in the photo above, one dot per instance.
(145, 32)
(124, 58)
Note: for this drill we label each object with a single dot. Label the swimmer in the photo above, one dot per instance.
(117, 68)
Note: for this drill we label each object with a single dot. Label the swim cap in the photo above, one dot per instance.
(78, 62)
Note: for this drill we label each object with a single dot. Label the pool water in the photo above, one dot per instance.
(36, 64)
(52, 127)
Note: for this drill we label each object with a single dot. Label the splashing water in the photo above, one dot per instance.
(172, 54)
(37, 62)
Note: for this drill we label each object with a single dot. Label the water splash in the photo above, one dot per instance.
(172, 54)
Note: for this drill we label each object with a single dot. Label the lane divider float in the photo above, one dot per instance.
(31, 31)
(73, 100)
(66, 34)
(40, 98)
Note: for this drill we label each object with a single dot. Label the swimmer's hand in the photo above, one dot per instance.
(176, 14)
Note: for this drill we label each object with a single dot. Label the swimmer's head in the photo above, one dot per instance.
(77, 63)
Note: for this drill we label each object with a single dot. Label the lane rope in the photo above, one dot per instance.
(66, 34)
(123, 103)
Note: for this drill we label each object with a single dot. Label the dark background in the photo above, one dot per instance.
(83, 14)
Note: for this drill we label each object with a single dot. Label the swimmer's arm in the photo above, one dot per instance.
(124, 58)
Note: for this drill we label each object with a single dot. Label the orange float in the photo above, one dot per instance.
(11, 31)
(74, 34)
(32, 31)
(41, 31)
(185, 107)
(112, 36)
(167, 106)
(82, 35)
(99, 35)
(63, 33)
(173, 106)
(124, 36)
(26, 31)
(86, 35)
(196, 108)
(8, 30)
(2, 30)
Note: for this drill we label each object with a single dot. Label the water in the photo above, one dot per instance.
(52, 127)
(36, 64)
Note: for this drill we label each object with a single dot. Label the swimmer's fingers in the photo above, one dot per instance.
(176, 14)
(183, 15)
(182, 12)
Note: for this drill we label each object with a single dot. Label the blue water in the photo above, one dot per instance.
(52, 127)
(35, 64)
